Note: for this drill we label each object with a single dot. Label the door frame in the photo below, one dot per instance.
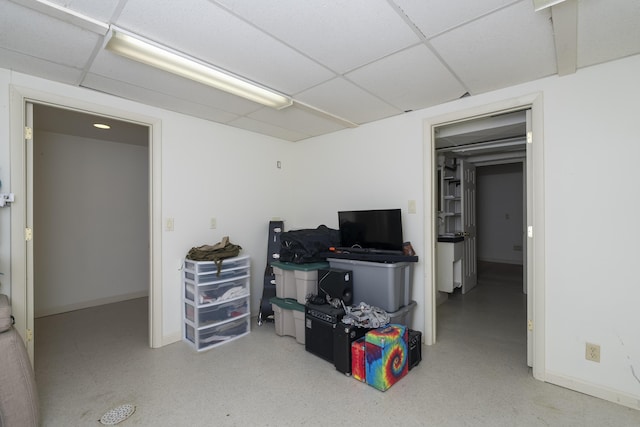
(535, 244)
(21, 295)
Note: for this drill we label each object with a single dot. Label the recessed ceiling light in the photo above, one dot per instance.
(101, 126)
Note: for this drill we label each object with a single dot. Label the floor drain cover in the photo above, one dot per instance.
(117, 415)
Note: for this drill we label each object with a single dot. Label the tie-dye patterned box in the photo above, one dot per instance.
(358, 370)
(386, 356)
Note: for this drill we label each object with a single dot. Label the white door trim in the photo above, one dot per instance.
(535, 245)
(19, 96)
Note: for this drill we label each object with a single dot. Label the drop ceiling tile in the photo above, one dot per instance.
(607, 30)
(267, 129)
(156, 99)
(39, 67)
(210, 33)
(101, 10)
(297, 119)
(44, 37)
(346, 100)
(508, 47)
(409, 80)
(340, 34)
(435, 16)
(131, 72)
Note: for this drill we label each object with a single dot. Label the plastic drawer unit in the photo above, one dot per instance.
(216, 304)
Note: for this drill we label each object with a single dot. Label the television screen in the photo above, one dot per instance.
(371, 229)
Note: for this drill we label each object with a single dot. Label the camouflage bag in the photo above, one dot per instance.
(218, 252)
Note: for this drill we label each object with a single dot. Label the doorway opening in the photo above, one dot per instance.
(499, 148)
(481, 268)
(90, 210)
(22, 215)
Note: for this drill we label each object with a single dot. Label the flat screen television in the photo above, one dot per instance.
(371, 229)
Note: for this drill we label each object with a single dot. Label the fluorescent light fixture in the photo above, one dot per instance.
(134, 47)
(101, 126)
(538, 5)
(489, 145)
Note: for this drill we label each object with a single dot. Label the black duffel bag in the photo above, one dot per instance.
(307, 245)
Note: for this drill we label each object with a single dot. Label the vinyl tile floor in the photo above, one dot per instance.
(90, 361)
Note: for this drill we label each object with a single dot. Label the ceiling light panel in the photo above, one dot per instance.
(116, 70)
(147, 52)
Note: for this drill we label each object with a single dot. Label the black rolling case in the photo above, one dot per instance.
(269, 284)
(343, 336)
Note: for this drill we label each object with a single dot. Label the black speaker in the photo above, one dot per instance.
(336, 283)
(320, 320)
(343, 336)
(415, 348)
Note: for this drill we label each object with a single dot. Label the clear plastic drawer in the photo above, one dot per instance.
(215, 335)
(214, 276)
(199, 267)
(217, 292)
(216, 313)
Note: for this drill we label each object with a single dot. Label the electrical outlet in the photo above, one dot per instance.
(213, 223)
(592, 352)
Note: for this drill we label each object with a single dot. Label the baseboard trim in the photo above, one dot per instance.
(170, 339)
(91, 303)
(594, 390)
(501, 261)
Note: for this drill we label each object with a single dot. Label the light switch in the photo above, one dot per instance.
(213, 224)
(412, 206)
(169, 224)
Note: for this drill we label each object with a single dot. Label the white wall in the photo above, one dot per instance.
(217, 171)
(208, 170)
(499, 213)
(591, 206)
(91, 219)
(591, 202)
